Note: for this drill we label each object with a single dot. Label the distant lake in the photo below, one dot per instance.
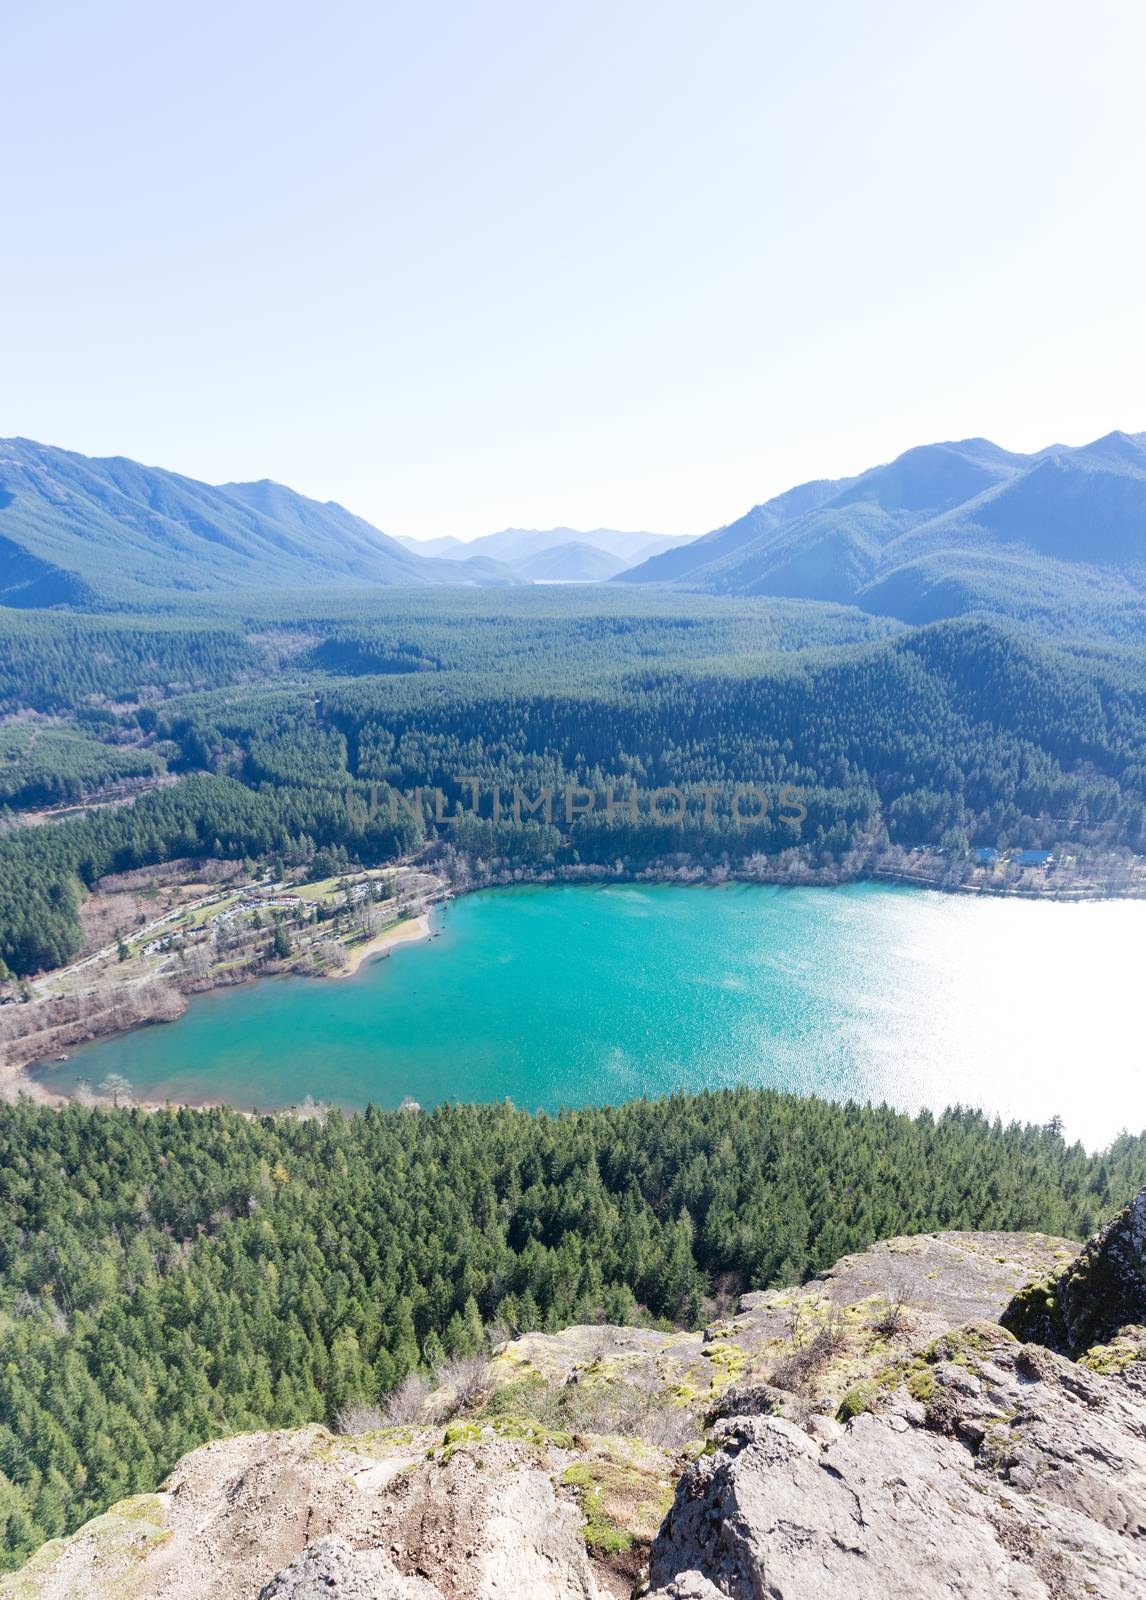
(565, 995)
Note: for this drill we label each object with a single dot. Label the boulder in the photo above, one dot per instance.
(486, 1520)
(1100, 1293)
(331, 1570)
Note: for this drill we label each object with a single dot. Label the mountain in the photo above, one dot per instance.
(79, 531)
(448, 548)
(514, 544)
(1057, 537)
(626, 547)
(555, 555)
(680, 563)
(942, 530)
(573, 562)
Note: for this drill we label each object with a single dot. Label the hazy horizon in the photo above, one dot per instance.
(585, 532)
(562, 527)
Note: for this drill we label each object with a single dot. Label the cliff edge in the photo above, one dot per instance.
(872, 1433)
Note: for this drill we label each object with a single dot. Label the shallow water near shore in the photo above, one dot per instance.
(563, 995)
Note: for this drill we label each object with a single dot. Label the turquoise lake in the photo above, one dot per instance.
(571, 995)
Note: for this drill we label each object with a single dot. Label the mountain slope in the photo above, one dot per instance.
(79, 530)
(942, 530)
(676, 565)
(574, 562)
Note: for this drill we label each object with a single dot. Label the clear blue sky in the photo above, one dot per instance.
(462, 266)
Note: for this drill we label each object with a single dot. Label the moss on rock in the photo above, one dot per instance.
(121, 1539)
(1102, 1291)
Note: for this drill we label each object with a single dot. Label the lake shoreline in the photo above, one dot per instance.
(1120, 880)
(409, 931)
(145, 1004)
(155, 1002)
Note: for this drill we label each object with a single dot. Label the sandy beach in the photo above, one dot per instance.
(404, 932)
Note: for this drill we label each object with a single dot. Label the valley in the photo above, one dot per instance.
(610, 1072)
(572, 803)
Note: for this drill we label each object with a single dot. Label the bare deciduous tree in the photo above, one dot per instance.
(359, 1417)
(116, 1088)
(410, 1401)
(810, 1347)
(900, 1286)
(467, 1378)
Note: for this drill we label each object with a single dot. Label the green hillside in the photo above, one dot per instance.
(957, 735)
(1058, 537)
(79, 531)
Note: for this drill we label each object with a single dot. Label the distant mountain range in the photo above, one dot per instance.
(79, 531)
(555, 555)
(942, 530)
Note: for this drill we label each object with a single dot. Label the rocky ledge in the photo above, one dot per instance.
(993, 1468)
(874, 1433)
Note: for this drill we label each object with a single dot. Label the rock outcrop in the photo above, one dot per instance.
(926, 1283)
(991, 1469)
(331, 1570)
(488, 1521)
(1100, 1293)
(872, 1433)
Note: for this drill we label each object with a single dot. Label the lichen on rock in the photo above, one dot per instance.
(1022, 1476)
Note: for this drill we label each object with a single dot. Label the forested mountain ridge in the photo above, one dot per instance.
(1057, 539)
(956, 735)
(942, 530)
(81, 531)
(572, 562)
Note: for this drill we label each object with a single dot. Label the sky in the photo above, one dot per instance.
(624, 264)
